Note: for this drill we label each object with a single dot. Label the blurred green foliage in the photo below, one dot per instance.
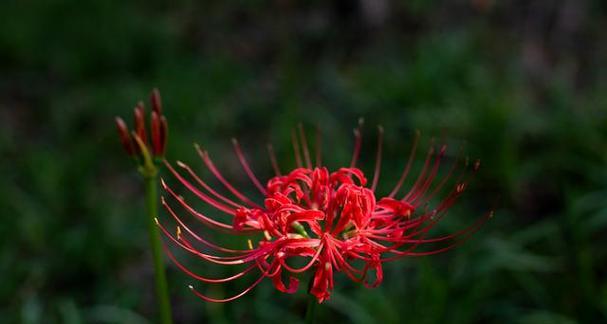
(523, 85)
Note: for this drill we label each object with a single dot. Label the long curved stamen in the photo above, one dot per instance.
(458, 242)
(247, 167)
(304, 146)
(206, 186)
(460, 185)
(201, 278)
(452, 236)
(215, 300)
(194, 213)
(445, 179)
(273, 160)
(268, 267)
(305, 267)
(198, 193)
(204, 155)
(439, 212)
(339, 259)
(380, 140)
(318, 147)
(430, 178)
(422, 174)
(295, 143)
(434, 216)
(407, 168)
(194, 235)
(398, 253)
(211, 258)
(357, 143)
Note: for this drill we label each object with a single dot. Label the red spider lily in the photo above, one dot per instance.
(333, 220)
(136, 142)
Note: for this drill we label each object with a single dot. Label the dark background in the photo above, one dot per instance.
(522, 83)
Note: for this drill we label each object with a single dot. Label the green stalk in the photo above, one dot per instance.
(162, 292)
(311, 310)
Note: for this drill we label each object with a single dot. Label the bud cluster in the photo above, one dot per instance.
(147, 149)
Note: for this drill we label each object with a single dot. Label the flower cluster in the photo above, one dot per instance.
(318, 221)
(136, 143)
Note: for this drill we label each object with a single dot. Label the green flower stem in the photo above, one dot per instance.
(311, 310)
(162, 292)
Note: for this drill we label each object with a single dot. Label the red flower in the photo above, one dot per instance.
(333, 220)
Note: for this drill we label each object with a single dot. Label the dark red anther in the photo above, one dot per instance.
(125, 138)
(156, 134)
(156, 101)
(140, 122)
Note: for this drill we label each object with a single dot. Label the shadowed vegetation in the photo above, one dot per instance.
(522, 86)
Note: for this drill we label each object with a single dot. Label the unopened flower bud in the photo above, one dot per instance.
(156, 101)
(125, 138)
(156, 134)
(140, 122)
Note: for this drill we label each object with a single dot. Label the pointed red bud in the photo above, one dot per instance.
(156, 134)
(125, 138)
(140, 122)
(164, 134)
(156, 101)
